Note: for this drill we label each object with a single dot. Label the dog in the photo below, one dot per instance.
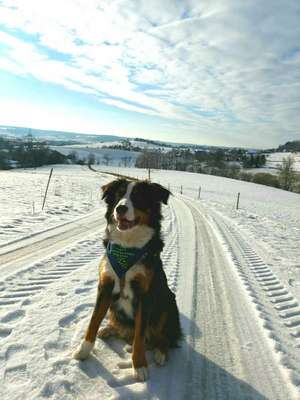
(132, 283)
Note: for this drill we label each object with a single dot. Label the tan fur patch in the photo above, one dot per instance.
(125, 333)
(156, 331)
(143, 216)
(138, 352)
(145, 279)
(104, 274)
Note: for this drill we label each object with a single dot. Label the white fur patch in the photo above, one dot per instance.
(159, 357)
(141, 374)
(137, 236)
(126, 201)
(83, 350)
(125, 304)
(126, 295)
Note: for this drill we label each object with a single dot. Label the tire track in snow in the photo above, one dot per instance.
(169, 255)
(19, 289)
(277, 307)
(231, 336)
(14, 256)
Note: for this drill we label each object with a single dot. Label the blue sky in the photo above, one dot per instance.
(223, 72)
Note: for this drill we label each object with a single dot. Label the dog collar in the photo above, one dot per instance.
(123, 258)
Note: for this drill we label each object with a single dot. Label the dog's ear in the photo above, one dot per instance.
(160, 193)
(109, 190)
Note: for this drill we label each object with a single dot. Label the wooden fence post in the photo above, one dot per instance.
(199, 192)
(47, 188)
(238, 201)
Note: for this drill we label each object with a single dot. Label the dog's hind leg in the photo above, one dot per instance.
(103, 301)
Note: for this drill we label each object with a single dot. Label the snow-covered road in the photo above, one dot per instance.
(13, 255)
(240, 322)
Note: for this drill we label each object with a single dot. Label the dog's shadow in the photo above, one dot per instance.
(187, 374)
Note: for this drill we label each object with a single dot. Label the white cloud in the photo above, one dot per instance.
(238, 61)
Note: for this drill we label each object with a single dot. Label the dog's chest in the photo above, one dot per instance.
(123, 294)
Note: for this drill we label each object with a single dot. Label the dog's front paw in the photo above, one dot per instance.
(141, 374)
(128, 348)
(83, 351)
(106, 332)
(159, 357)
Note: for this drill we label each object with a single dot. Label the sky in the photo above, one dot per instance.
(216, 72)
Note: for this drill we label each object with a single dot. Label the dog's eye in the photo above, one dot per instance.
(121, 192)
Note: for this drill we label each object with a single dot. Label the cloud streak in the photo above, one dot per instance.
(218, 68)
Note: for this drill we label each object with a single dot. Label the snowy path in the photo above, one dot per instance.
(232, 343)
(13, 255)
(46, 302)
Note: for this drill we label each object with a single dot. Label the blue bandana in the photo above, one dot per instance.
(123, 258)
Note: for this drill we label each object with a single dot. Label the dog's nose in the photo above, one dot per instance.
(121, 209)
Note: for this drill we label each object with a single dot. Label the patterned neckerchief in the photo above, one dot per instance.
(123, 258)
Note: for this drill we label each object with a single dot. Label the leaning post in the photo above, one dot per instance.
(47, 188)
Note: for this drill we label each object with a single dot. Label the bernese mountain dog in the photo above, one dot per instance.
(132, 283)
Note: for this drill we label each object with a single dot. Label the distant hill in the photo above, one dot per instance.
(57, 135)
(293, 146)
(57, 138)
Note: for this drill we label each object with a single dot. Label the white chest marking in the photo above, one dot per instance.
(126, 294)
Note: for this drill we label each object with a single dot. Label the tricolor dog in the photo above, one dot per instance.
(132, 283)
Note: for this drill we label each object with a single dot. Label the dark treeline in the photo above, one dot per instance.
(293, 146)
(230, 163)
(27, 153)
(217, 162)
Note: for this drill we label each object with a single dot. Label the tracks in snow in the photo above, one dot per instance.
(278, 309)
(48, 258)
(18, 290)
(230, 350)
(14, 256)
(225, 354)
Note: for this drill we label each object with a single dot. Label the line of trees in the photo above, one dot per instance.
(231, 163)
(92, 158)
(27, 152)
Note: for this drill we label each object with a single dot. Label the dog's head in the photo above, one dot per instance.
(133, 203)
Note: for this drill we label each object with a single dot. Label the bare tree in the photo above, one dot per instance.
(287, 175)
(107, 159)
(73, 156)
(126, 160)
(91, 159)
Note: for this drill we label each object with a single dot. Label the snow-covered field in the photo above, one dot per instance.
(274, 160)
(73, 192)
(235, 274)
(113, 157)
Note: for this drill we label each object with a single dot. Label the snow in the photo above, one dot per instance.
(274, 160)
(235, 274)
(265, 170)
(73, 192)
